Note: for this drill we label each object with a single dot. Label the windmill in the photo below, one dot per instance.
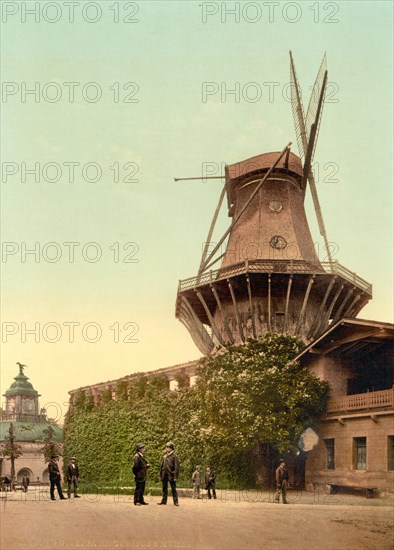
(307, 131)
(267, 287)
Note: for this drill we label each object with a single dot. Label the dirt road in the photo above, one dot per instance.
(111, 522)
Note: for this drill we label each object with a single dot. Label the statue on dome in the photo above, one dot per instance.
(21, 367)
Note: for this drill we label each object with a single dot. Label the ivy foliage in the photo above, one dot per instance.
(245, 396)
(104, 437)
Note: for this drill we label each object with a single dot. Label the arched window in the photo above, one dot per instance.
(24, 472)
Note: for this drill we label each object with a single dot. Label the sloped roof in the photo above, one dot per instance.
(350, 335)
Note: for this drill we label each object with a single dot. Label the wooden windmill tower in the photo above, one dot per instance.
(270, 278)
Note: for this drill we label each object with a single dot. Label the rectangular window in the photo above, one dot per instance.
(330, 453)
(360, 453)
(390, 449)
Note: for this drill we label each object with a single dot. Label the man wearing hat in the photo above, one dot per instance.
(281, 478)
(72, 477)
(169, 471)
(210, 482)
(196, 479)
(140, 467)
(54, 478)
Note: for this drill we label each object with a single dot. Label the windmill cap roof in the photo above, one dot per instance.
(264, 162)
(256, 167)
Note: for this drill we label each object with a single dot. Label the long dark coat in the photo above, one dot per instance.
(170, 466)
(140, 467)
(54, 472)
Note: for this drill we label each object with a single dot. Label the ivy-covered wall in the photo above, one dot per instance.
(246, 397)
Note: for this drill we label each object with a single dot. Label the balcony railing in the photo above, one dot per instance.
(19, 417)
(274, 266)
(370, 400)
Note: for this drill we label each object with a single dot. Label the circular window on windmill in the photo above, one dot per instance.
(275, 206)
(278, 242)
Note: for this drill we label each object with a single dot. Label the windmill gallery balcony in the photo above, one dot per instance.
(291, 296)
(362, 401)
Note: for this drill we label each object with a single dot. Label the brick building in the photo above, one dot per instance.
(356, 436)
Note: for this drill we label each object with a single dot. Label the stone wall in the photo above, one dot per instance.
(184, 369)
(31, 460)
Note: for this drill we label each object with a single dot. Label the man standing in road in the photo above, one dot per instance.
(54, 478)
(281, 478)
(169, 473)
(210, 481)
(72, 477)
(140, 467)
(196, 479)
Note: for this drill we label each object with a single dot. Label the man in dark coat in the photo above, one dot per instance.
(169, 473)
(7, 484)
(72, 477)
(54, 478)
(24, 484)
(140, 467)
(210, 481)
(281, 478)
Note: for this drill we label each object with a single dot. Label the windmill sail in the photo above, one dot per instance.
(315, 96)
(298, 111)
(303, 126)
(316, 102)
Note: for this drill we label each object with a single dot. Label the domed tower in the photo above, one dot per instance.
(30, 428)
(22, 399)
(270, 278)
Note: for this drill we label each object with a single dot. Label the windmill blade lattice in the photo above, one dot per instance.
(298, 111)
(318, 88)
(314, 99)
(303, 127)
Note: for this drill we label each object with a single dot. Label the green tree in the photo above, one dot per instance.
(253, 394)
(50, 447)
(11, 450)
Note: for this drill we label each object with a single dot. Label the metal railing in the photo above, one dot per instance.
(369, 400)
(337, 269)
(275, 266)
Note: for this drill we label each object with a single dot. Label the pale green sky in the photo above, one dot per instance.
(170, 52)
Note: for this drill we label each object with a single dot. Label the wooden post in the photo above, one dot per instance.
(303, 308)
(237, 316)
(317, 322)
(269, 302)
(290, 282)
(251, 310)
(211, 319)
(223, 314)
